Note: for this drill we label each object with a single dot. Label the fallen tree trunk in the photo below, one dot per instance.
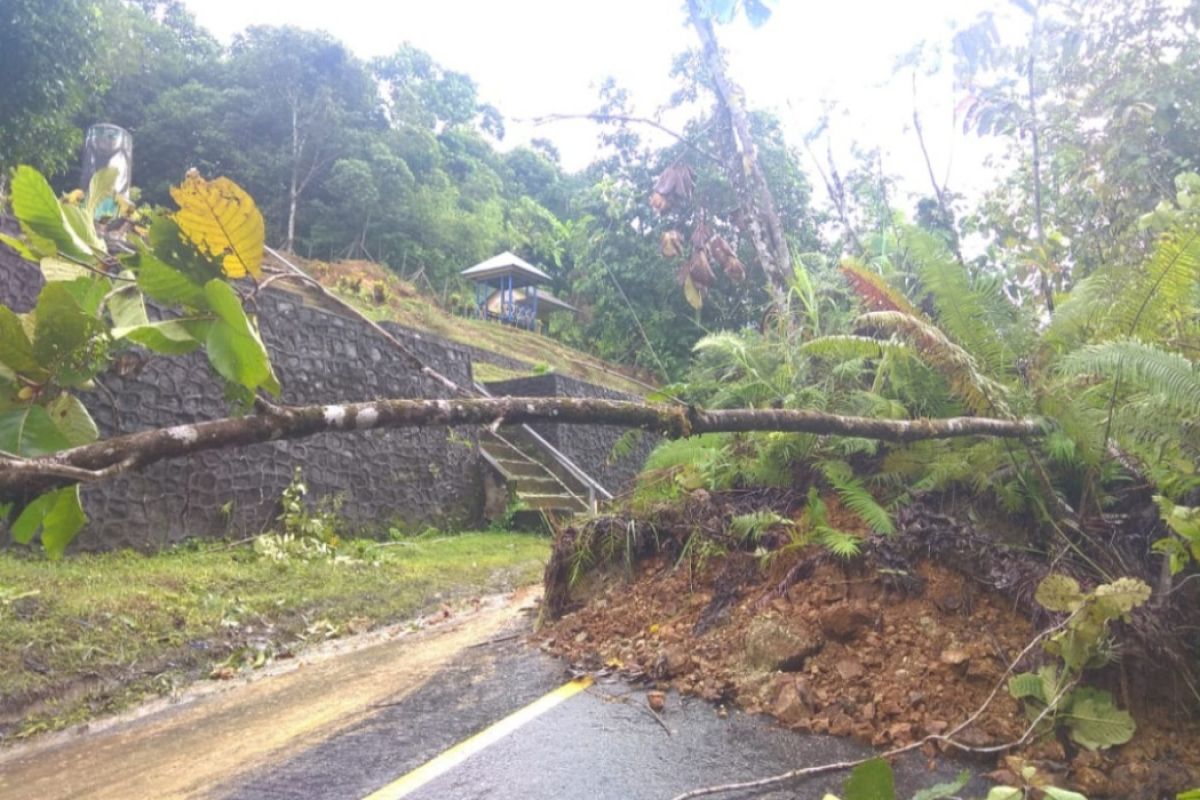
(109, 457)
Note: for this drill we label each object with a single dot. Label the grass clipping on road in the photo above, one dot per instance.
(93, 634)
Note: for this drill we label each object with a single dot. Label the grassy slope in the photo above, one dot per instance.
(94, 633)
(400, 302)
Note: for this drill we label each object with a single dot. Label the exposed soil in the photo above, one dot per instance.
(885, 655)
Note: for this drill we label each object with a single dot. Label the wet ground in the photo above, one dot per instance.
(351, 724)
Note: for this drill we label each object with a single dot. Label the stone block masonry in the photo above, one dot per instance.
(403, 477)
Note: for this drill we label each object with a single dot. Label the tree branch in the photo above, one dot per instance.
(777, 261)
(121, 453)
(653, 123)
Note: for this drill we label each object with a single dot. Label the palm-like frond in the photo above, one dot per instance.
(1166, 374)
(844, 347)
(1146, 302)
(980, 393)
(972, 312)
(874, 291)
(856, 497)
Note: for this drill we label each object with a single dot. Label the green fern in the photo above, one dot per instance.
(841, 544)
(855, 496)
(751, 527)
(981, 394)
(1168, 375)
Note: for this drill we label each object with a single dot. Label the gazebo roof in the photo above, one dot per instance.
(523, 273)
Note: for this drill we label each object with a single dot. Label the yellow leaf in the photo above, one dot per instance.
(222, 221)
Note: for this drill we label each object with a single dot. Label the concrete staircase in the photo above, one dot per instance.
(537, 483)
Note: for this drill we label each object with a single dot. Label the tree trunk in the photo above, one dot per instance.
(762, 218)
(20, 477)
(294, 186)
(1036, 148)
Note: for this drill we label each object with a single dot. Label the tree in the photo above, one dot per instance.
(1099, 107)
(305, 91)
(188, 262)
(53, 55)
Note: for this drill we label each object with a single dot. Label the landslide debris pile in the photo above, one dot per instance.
(906, 641)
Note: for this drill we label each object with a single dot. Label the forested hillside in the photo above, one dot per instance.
(886, 386)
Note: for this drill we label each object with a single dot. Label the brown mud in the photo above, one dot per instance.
(903, 643)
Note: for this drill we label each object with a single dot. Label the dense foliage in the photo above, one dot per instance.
(396, 159)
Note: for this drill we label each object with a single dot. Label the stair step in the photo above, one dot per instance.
(536, 484)
(551, 502)
(522, 469)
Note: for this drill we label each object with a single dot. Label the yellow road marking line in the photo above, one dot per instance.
(449, 759)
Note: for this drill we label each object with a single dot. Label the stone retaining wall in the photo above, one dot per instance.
(404, 477)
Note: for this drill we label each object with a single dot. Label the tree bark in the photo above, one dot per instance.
(1036, 153)
(294, 185)
(766, 229)
(104, 459)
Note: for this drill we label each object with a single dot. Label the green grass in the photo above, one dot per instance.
(533, 348)
(94, 633)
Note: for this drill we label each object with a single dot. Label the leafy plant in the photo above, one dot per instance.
(874, 780)
(93, 304)
(1033, 783)
(1052, 693)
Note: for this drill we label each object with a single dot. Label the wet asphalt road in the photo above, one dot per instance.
(601, 743)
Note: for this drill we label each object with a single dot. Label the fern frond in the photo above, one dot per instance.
(972, 312)
(981, 394)
(856, 497)
(750, 527)
(1145, 366)
(1144, 302)
(841, 544)
(847, 347)
(874, 291)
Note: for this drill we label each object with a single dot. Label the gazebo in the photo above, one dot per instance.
(506, 290)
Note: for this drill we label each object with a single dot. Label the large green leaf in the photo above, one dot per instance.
(57, 269)
(942, 790)
(127, 308)
(871, 781)
(172, 337)
(29, 432)
(63, 339)
(58, 515)
(19, 247)
(84, 227)
(1025, 686)
(1055, 793)
(89, 292)
(1005, 793)
(165, 283)
(1094, 720)
(1117, 599)
(41, 215)
(234, 347)
(100, 188)
(72, 419)
(16, 351)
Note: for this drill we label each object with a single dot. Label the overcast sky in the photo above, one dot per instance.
(535, 57)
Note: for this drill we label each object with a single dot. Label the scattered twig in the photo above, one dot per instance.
(498, 640)
(625, 699)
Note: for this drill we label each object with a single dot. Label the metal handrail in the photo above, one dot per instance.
(593, 487)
